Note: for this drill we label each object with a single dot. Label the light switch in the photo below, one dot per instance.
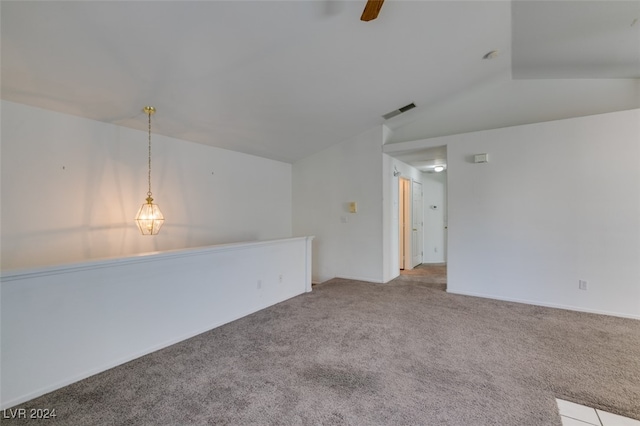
(353, 207)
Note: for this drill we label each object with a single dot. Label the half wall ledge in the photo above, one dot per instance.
(64, 323)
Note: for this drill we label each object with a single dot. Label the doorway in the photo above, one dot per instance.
(426, 179)
(404, 229)
(410, 204)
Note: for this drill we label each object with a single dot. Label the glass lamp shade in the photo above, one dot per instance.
(149, 218)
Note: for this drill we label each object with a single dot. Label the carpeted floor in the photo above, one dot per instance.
(432, 275)
(357, 353)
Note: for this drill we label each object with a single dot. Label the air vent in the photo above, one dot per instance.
(399, 111)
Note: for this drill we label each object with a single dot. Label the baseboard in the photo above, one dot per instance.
(349, 277)
(547, 305)
(358, 278)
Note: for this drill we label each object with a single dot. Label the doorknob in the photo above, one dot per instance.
(415, 229)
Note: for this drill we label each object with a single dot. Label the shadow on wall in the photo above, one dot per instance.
(44, 248)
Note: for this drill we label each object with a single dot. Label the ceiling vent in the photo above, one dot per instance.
(399, 111)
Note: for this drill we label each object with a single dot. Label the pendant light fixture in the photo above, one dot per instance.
(149, 218)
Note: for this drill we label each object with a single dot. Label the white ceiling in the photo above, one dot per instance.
(285, 79)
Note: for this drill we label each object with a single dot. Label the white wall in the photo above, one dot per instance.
(390, 268)
(558, 202)
(434, 189)
(63, 323)
(347, 245)
(71, 188)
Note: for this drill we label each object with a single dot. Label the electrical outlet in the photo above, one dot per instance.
(582, 284)
(259, 284)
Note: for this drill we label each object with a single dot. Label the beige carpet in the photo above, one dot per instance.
(427, 274)
(355, 353)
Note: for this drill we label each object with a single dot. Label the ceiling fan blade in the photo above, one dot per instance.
(371, 10)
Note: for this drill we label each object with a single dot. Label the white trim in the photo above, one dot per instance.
(357, 278)
(547, 305)
(13, 275)
(308, 263)
(403, 147)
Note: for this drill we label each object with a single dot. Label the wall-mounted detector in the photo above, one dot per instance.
(481, 158)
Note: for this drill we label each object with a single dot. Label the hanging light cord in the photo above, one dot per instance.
(149, 173)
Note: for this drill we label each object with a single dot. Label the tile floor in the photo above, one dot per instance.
(573, 414)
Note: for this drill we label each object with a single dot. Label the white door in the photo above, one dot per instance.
(417, 235)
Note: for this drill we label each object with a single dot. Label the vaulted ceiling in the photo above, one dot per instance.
(286, 79)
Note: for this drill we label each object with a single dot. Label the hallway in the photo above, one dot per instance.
(427, 274)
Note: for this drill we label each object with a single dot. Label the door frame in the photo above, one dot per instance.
(404, 229)
(417, 223)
